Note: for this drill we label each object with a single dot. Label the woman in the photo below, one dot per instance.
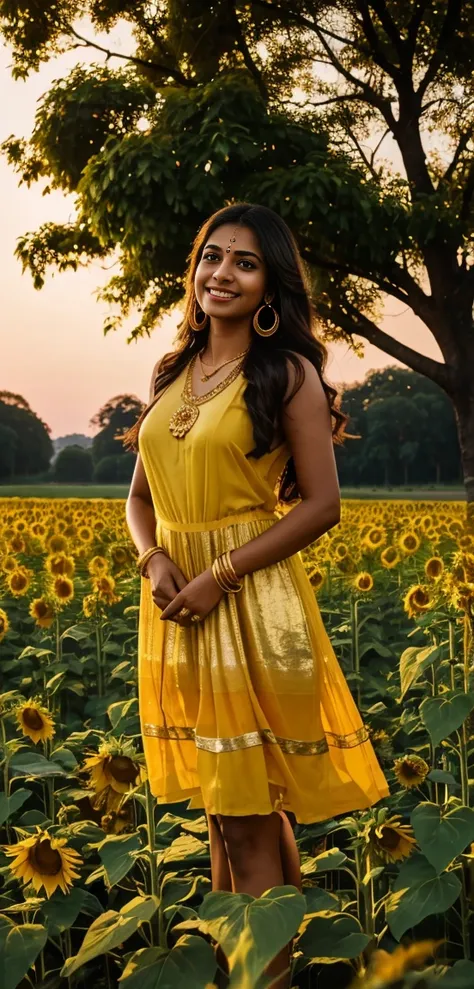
(244, 708)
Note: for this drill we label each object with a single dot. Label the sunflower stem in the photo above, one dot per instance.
(98, 642)
(368, 890)
(6, 781)
(155, 928)
(452, 652)
(465, 915)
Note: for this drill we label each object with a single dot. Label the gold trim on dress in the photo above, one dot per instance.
(293, 746)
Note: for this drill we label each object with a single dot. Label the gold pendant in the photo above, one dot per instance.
(183, 419)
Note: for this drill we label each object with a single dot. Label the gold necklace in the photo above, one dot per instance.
(211, 375)
(186, 415)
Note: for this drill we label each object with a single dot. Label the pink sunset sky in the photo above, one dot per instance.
(54, 352)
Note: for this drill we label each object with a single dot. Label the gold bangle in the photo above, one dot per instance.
(224, 578)
(145, 557)
(221, 577)
(227, 568)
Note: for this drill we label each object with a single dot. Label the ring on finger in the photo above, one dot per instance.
(184, 612)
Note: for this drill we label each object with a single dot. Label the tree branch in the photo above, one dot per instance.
(174, 73)
(462, 145)
(351, 321)
(448, 29)
(389, 26)
(371, 35)
(248, 60)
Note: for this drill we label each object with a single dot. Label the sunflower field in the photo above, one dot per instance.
(101, 883)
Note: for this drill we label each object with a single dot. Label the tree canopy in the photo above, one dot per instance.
(292, 104)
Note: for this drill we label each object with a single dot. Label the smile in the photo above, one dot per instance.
(221, 294)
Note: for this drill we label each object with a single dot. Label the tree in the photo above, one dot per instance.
(73, 463)
(114, 418)
(29, 450)
(204, 112)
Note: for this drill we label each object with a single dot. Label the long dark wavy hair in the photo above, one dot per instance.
(265, 365)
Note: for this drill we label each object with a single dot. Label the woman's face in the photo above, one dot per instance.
(241, 274)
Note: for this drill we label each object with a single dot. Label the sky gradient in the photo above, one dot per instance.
(54, 353)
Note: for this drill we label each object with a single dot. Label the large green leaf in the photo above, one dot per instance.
(190, 963)
(444, 714)
(118, 853)
(330, 935)
(414, 661)
(61, 911)
(184, 849)
(20, 945)
(460, 976)
(252, 930)
(8, 805)
(441, 839)
(407, 907)
(332, 859)
(111, 929)
(34, 764)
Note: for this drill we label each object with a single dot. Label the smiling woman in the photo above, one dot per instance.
(244, 708)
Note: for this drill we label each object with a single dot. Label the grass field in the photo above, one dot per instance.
(427, 492)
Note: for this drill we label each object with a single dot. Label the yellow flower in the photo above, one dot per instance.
(98, 565)
(317, 577)
(18, 582)
(389, 557)
(410, 770)
(391, 841)
(409, 542)
(57, 544)
(63, 589)
(42, 611)
(434, 567)
(363, 581)
(4, 624)
(44, 861)
(9, 563)
(35, 721)
(387, 968)
(17, 544)
(417, 600)
(60, 565)
(85, 534)
(340, 550)
(374, 538)
(112, 770)
(90, 605)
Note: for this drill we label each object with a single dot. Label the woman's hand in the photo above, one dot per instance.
(200, 595)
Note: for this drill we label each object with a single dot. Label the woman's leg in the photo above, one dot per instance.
(290, 856)
(220, 871)
(253, 849)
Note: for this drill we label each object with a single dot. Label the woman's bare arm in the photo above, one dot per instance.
(139, 510)
(306, 422)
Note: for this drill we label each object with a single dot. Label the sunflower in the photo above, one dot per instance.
(9, 563)
(98, 566)
(90, 605)
(410, 770)
(35, 721)
(116, 821)
(409, 542)
(316, 576)
(112, 771)
(417, 600)
(17, 544)
(44, 861)
(85, 534)
(340, 550)
(391, 841)
(434, 567)
(389, 557)
(387, 968)
(42, 611)
(19, 581)
(60, 565)
(363, 581)
(4, 624)
(63, 589)
(57, 544)
(374, 538)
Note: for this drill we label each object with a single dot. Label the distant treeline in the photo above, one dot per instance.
(404, 423)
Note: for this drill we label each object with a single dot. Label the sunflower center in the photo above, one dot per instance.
(389, 838)
(32, 718)
(45, 859)
(123, 769)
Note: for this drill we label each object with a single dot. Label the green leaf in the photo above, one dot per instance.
(460, 976)
(444, 714)
(65, 758)
(413, 662)
(190, 963)
(332, 859)
(410, 904)
(185, 848)
(318, 899)
(8, 805)
(441, 839)
(34, 764)
(332, 936)
(252, 930)
(111, 929)
(20, 945)
(61, 911)
(117, 854)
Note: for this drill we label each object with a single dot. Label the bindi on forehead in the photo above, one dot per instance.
(240, 252)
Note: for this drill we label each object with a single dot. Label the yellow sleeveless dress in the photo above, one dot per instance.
(247, 711)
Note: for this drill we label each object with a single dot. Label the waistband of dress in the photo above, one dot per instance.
(251, 515)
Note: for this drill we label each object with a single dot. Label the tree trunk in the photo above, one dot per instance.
(464, 412)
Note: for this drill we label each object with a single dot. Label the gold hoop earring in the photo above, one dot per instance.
(261, 330)
(193, 320)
